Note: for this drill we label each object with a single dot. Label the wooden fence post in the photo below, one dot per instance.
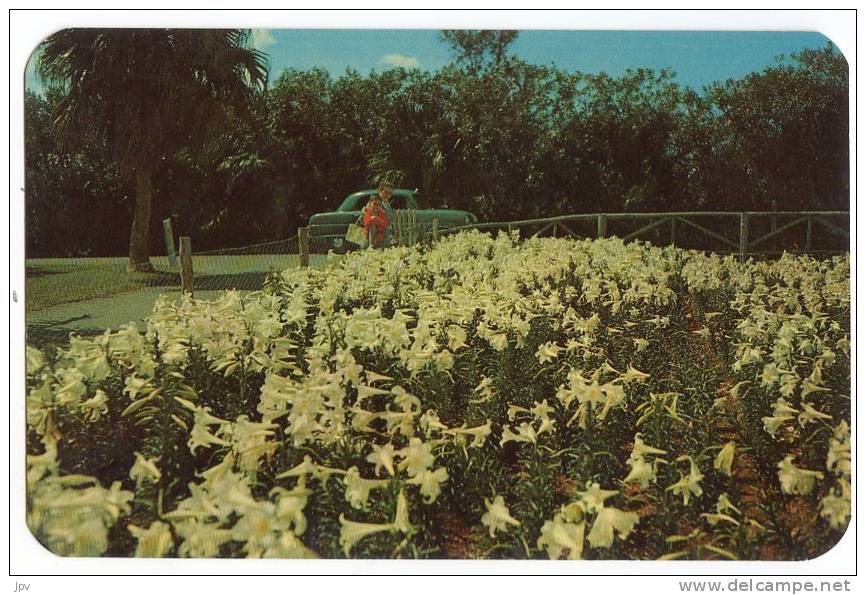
(434, 229)
(744, 236)
(774, 221)
(602, 226)
(398, 226)
(673, 231)
(303, 247)
(186, 274)
(808, 234)
(169, 242)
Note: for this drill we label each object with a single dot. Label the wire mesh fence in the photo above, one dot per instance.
(246, 267)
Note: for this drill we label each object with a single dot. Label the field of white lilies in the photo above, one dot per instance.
(478, 398)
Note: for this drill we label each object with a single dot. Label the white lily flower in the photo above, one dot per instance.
(358, 489)
(154, 542)
(809, 388)
(365, 392)
(484, 390)
(430, 483)
(374, 377)
(96, 406)
(302, 469)
(430, 424)
(688, 485)
(351, 532)
(456, 337)
(810, 415)
(641, 471)
(836, 506)
(497, 517)
(201, 434)
(548, 352)
(772, 424)
(641, 448)
(593, 497)
(71, 387)
(608, 521)
(839, 451)
(788, 384)
(34, 360)
(200, 540)
(144, 470)
(525, 433)
(290, 505)
(783, 408)
(559, 537)
(417, 457)
(382, 457)
(725, 459)
(134, 385)
(715, 519)
(795, 480)
(724, 504)
(634, 375)
(478, 434)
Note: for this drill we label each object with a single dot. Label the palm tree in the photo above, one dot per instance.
(150, 92)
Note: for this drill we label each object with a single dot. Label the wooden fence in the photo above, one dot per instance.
(747, 233)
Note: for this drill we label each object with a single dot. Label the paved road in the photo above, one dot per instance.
(94, 316)
(214, 274)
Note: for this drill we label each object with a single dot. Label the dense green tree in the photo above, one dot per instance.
(150, 92)
(624, 130)
(73, 198)
(788, 126)
(476, 49)
(504, 139)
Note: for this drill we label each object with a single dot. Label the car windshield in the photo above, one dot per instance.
(399, 200)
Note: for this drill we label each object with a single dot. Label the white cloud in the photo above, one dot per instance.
(401, 61)
(263, 38)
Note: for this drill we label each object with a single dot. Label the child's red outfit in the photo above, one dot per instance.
(376, 219)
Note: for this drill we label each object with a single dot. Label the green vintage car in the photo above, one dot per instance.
(328, 230)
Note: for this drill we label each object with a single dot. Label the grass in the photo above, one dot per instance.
(60, 283)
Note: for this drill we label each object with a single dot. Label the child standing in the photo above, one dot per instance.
(375, 220)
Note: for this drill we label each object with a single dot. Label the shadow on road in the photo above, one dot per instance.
(53, 331)
(162, 279)
(248, 281)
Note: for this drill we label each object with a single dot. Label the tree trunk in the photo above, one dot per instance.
(139, 258)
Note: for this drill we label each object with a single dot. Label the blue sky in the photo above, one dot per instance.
(698, 57)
